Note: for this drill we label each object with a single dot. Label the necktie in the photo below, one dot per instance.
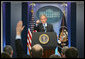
(44, 27)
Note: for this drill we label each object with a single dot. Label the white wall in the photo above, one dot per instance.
(80, 28)
(1, 30)
(16, 15)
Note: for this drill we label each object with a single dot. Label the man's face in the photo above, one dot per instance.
(43, 19)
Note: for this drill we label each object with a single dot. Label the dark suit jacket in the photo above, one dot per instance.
(20, 50)
(40, 28)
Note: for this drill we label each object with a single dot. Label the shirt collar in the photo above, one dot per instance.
(45, 24)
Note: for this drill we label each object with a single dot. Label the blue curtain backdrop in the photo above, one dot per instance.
(6, 23)
(69, 22)
(25, 23)
(4, 19)
(42, 7)
(73, 24)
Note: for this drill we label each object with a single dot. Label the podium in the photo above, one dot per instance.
(48, 40)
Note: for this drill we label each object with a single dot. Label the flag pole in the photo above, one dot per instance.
(32, 11)
(64, 5)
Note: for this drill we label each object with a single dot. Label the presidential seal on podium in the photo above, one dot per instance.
(44, 39)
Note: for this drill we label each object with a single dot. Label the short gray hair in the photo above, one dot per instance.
(43, 15)
(37, 51)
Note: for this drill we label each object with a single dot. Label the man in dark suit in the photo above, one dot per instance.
(43, 26)
(18, 44)
(20, 50)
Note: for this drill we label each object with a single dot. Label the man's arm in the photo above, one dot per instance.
(19, 48)
(36, 27)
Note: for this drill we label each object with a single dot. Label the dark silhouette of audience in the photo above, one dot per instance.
(71, 52)
(8, 52)
(37, 52)
(67, 52)
(5, 55)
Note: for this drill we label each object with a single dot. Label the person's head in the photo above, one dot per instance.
(5, 55)
(71, 52)
(63, 51)
(55, 56)
(43, 18)
(9, 50)
(37, 51)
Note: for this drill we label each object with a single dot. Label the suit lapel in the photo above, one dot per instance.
(42, 28)
(47, 27)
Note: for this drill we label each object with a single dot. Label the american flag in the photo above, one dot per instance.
(30, 31)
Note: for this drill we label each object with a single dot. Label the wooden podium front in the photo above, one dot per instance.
(49, 47)
(48, 52)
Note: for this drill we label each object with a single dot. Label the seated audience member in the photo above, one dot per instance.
(9, 50)
(63, 51)
(37, 51)
(55, 56)
(5, 55)
(71, 52)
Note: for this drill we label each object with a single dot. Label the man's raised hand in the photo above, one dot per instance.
(19, 28)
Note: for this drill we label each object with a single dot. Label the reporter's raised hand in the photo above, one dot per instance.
(19, 28)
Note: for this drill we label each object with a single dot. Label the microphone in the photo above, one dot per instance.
(45, 26)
